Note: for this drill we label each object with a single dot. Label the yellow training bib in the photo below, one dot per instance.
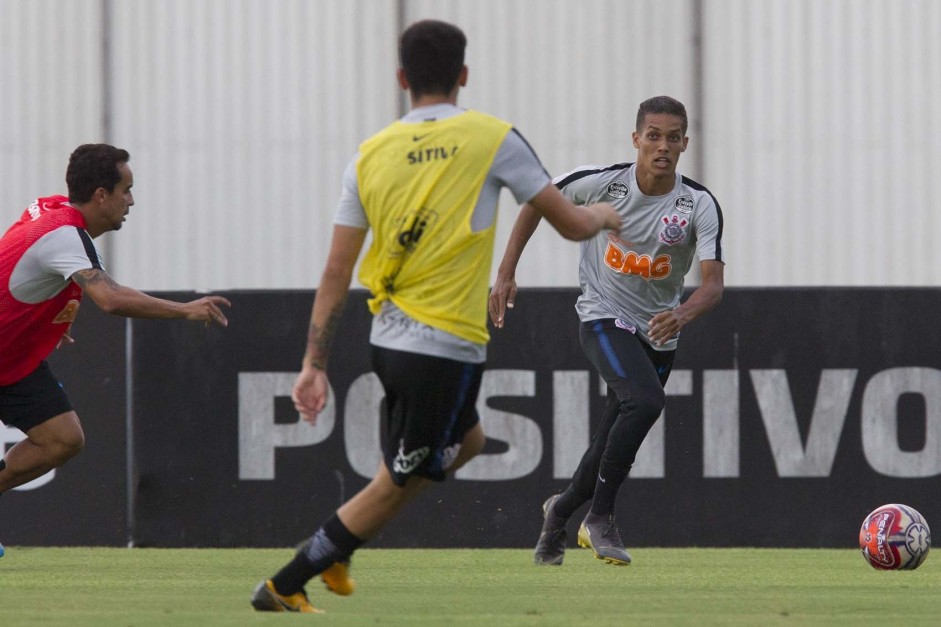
(419, 184)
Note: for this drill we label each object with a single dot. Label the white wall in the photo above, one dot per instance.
(823, 134)
(818, 126)
(241, 116)
(50, 94)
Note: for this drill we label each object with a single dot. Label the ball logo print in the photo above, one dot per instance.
(895, 537)
(684, 204)
(618, 189)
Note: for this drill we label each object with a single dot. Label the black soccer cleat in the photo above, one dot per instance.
(550, 549)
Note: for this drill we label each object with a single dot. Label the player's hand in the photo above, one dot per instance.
(66, 338)
(608, 216)
(310, 393)
(207, 309)
(664, 326)
(502, 297)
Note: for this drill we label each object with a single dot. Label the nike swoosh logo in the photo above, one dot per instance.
(416, 138)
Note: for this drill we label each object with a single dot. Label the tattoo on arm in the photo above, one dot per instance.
(319, 339)
(94, 276)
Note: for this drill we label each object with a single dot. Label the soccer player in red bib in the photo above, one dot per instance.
(48, 260)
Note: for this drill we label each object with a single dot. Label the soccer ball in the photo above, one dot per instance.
(895, 537)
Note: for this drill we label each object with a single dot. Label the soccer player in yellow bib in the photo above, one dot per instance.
(427, 186)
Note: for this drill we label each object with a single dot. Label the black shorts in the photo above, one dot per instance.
(620, 355)
(33, 400)
(430, 404)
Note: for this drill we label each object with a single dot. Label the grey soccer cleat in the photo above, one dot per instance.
(550, 549)
(600, 534)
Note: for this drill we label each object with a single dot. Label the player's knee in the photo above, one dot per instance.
(68, 445)
(471, 446)
(474, 442)
(648, 404)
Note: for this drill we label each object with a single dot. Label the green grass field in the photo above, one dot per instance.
(208, 587)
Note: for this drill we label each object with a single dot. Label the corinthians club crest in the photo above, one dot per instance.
(674, 229)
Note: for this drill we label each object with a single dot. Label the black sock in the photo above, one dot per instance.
(566, 504)
(344, 540)
(294, 575)
(609, 481)
(333, 542)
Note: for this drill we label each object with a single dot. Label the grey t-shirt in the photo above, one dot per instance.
(47, 266)
(515, 167)
(639, 272)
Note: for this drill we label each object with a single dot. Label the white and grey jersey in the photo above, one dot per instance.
(515, 167)
(639, 272)
(46, 267)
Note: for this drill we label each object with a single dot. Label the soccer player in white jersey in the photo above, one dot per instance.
(630, 309)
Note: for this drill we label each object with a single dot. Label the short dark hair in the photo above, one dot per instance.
(661, 104)
(431, 53)
(92, 166)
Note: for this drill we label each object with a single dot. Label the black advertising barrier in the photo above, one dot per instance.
(85, 501)
(790, 415)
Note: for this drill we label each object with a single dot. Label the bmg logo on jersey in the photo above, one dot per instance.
(641, 265)
(408, 237)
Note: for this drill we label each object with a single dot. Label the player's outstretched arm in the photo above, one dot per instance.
(120, 300)
(571, 221)
(312, 387)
